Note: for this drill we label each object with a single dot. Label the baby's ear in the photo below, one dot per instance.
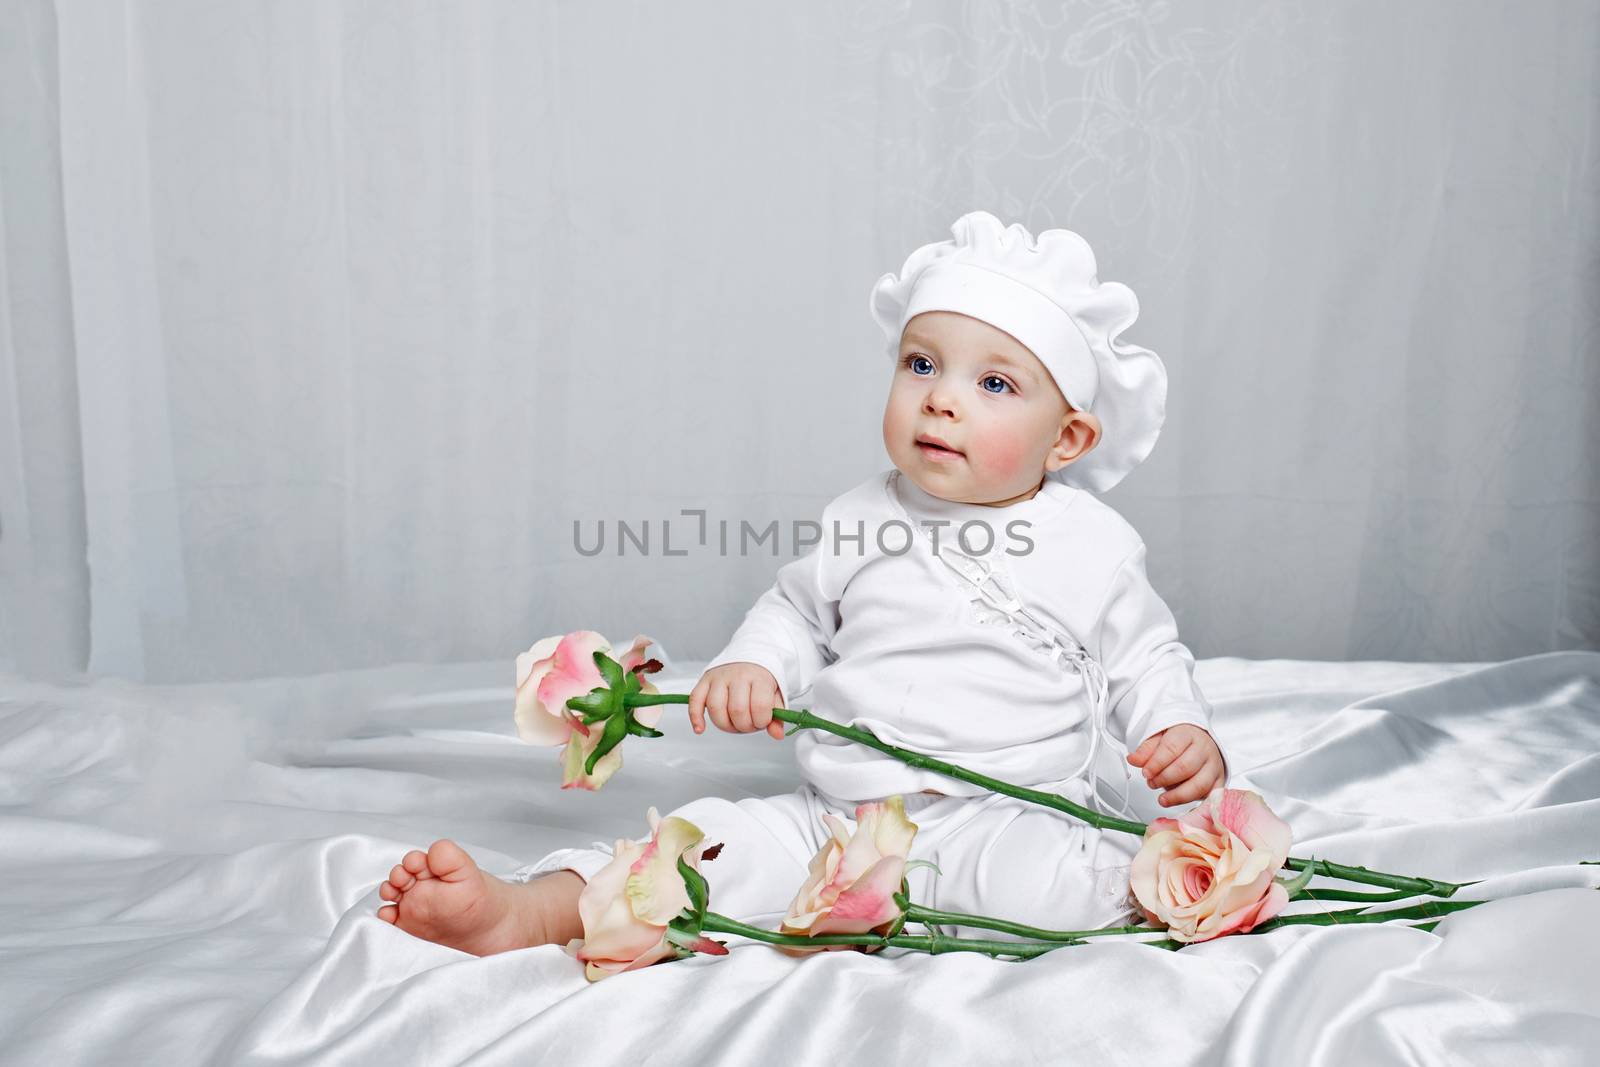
(1080, 433)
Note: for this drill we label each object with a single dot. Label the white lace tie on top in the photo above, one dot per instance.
(998, 605)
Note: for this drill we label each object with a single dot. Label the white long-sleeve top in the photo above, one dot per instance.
(893, 640)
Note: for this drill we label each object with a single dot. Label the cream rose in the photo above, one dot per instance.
(628, 904)
(557, 669)
(853, 877)
(1211, 871)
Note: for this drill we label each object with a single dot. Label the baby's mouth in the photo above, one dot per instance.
(932, 448)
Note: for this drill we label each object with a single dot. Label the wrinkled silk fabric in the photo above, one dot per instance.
(192, 875)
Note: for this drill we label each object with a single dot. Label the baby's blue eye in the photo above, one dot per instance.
(1003, 384)
(917, 363)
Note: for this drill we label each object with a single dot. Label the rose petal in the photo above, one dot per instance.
(541, 649)
(573, 671)
(1244, 812)
(610, 928)
(709, 947)
(868, 903)
(596, 968)
(892, 832)
(635, 653)
(576, 754)
(655, 888)
(536, 723)
(882, 829)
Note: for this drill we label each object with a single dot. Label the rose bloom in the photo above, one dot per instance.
(1211, 871)
(853, 877)
(628, 903)
(555, 670)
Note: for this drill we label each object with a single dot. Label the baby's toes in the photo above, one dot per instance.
(389, 913)
(449, 862)
(416, 861)
(388, 892)
(401, 878)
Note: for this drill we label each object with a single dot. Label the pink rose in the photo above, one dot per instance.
(555, 670)
(628, 904)
(853, 877)
(1210, 871)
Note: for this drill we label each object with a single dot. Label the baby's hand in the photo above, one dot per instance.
(739, 697)
(1183, 755)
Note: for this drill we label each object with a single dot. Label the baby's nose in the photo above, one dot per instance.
(938, 404)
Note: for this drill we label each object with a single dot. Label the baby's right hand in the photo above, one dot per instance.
(739, 697)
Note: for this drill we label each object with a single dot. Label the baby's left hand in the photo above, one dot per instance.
(1184, 756)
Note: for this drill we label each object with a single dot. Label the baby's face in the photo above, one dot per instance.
(985, 396)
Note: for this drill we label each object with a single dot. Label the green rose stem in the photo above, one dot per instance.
(1345, 894)
(932, 942)
(804, 720)
(1343, 917)
(1427, 909)
(918, 914)
(935, 942)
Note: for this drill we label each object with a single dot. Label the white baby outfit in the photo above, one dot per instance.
(972, 657)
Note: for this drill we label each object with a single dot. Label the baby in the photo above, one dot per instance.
(977, 603)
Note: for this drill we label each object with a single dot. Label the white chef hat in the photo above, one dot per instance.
(1045, 293)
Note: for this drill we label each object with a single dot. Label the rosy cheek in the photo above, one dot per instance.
(999, 450)
(895, 421)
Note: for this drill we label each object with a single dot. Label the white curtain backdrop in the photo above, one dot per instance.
(321, 324)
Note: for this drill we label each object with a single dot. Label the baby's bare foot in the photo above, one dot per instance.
(441, 896)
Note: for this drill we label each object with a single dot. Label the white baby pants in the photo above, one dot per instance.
(999, 856)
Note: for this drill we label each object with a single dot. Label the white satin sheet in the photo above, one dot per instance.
(192, 874)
